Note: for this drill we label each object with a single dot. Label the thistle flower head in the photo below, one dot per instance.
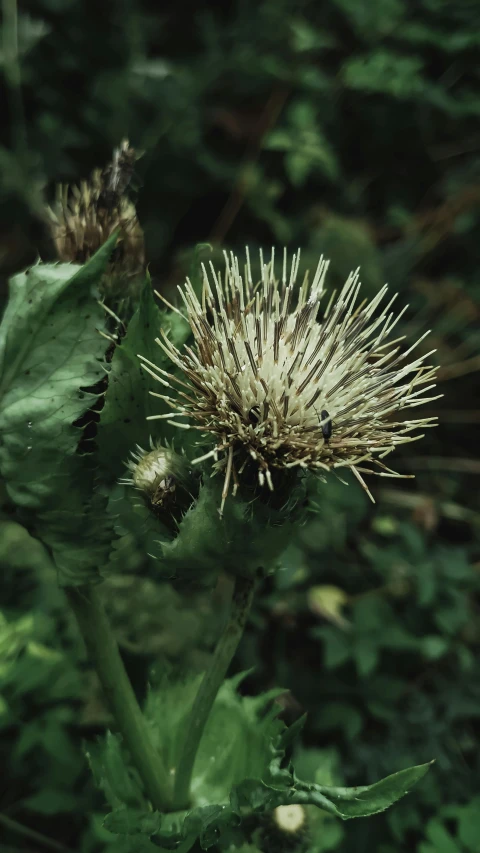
(288, 379)
(82, 218)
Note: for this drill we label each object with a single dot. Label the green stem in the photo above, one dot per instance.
(103, 650)
(211, 683)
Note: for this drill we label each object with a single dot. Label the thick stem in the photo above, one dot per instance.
(103, 650)
(211, 683)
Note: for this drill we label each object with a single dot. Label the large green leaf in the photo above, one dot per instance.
(50, 352)
(78, 530)
(128, 402)
(239, 773)
(51, 355)
(238, 740)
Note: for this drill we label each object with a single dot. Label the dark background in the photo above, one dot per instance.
(343, 127)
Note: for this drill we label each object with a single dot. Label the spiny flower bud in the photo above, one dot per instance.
(82, 218)
(274, 382)
(158, 474)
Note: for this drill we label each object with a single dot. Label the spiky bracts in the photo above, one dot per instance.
(162, 476)
(151, 471)
(82, 218)
(272, 381)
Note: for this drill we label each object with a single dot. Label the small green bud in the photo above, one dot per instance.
(162, 475)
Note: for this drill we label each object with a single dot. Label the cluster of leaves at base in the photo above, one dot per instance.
(240, 773)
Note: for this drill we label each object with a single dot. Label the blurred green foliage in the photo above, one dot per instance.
(342, 127)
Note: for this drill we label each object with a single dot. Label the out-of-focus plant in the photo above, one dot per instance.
(347, 130)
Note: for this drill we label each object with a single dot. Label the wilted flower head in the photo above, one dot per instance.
(275, 379)
(82, 218)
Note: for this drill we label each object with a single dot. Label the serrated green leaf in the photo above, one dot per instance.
(119, 782)
(133, 822)
(51, 353)
(128, 402)
(78, 532)
(240, 738)
(166, 832)
(255, 795)
(367, 800)
(236, 741)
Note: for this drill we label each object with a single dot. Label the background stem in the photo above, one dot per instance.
(13, 78)
(32, 834)
(212, 681)
(104, 653)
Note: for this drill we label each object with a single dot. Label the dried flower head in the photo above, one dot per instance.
(273, 380)
(83, 217)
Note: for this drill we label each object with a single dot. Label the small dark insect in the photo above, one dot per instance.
(164, 493)
(326, 427)
(254, 415)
